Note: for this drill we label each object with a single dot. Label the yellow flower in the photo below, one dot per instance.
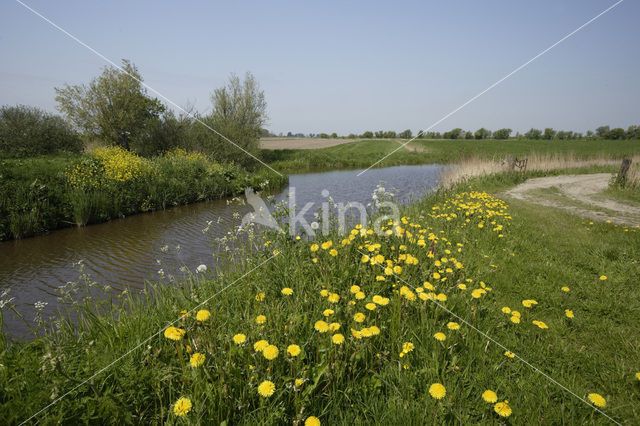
(261, 319)
(270, 352)
(203, 315)
(327, 312)
(377, 299)
(489, 396)
(568, 313)
(324, 293)
(197, 359)
(603, 277)
(597, 400)
(314, 247)
(638, 375)
(436, 275)
(441, 297)
(503, 409)
(337, 339)
(356, 334)
(477, 293)
(298, 382)
(359, 317)
(509, 354)
(287, 291)
(528, 303)
(462, 286)
(453, 326)
(333, 252)
(266, 388)
(360, 295)
(370, 306)
(354, 289)
(312, 421)
(182, 406)
(540, 324)
(364, 258)
(437, 391)
(506, 310)
(321, 326)
(260, 345)
(374, 330)
(440, 336)
(239, 339)
(397, 269)
(334, 326)
(260, 297)
(407, 347)
(515, 314)
(333, 298)
(565, 288)
(515, 319)
(174, 333)
(326, 245)
(293, 350)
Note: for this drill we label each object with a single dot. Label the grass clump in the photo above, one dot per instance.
(364, 328)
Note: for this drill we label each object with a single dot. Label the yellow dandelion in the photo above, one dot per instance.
(293, 350)
(334, 326)
(261, 319)
(266, 388)
(360, 295)
(603, 277)
(324, 293)
(509, 354)
(359, 317)
(638, 375)
(321, 326)
(337, 339)
(377, 299)
(489, 396)
(312, 421)
(568, 313)
(260, 297)
(437, 391)
(453, 325)
(333, 298)
(203, 315)
(354, 289)
(314, 247)
(374, 330)
(197, 359)
(287, 291)
(260, 345)
(565, 288)
(328, 312)
(503, 409)
(436, 275)
(540, 324)
(597, 400)
(515, 319)
(370, 306)
(356, 333)
(270, 352)
(239, 339)
(506, 310)
(298, 382)
(174, 333)
(182, 406)
(407, 347)
(441, 297)
(333, 252)
(440, 336)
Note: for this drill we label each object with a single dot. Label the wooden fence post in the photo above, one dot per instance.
(622, 173)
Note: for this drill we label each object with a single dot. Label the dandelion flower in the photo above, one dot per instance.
(293, 350)
(239, 339)
(528, 303)
(407, 347)
(287, 291)
(260, 345)
(324, 293)
(440, 336)
(354, 289)
(203, 315)
(489, 396)
(321, 326)
(328, 312)
(597, 400)
(565, 288)
(261, 319)
(260, 297)
(441, 297)
(359, 317)
(540, 324)
(503, 409)
(337, 339)
(266, 388)
(453, 326)
(312, 421)
(182, 406)
(477, 293)
(509, 354)
(333, 298)
(314, 247)
(360, 295)
(514, 319)
(437, 391)
(568, 313)
(174, 333)
(370, 306)
(270, 352)
(374, 330)
(298, 382)
(603, 277)
(638, 375)
(197, 359)
(506, 310)
(334, 326)
(436, 275)
(377, 299)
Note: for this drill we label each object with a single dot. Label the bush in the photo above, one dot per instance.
(27, 131)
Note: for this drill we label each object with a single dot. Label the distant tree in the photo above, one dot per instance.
(420, 134)
(389, 134)
(453, 134)
(633, 132)
(368, 134)
(468, 134)
(617, 133)
(406, 134)
(352, 136)
(482, 133)
(324, 136)
(114, 106)
(379, 134)
(502, 133)
(289, 134)
(564, 135)
(601, 131)
(549, 133)
(334, 135)
(589, 134)
(533, 134)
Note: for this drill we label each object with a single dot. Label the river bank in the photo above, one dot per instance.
(386, 342)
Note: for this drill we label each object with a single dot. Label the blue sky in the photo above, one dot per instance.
(346, 66)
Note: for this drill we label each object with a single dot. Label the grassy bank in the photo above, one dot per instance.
(371, 354)
(362, 154)
(45, 193)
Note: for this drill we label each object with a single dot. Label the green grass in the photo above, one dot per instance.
(629, 195)
(365, 381)
(362, 154)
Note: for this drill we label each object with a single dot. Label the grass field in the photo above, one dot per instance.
(364, 153)
(370, 354)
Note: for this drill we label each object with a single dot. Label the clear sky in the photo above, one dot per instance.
(346, 66)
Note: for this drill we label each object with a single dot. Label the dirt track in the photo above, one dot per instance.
(577, 193)
(301, 143)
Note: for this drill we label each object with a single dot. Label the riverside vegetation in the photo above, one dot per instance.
(361, 328)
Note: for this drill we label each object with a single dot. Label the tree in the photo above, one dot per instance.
(368, 134)
(334, 135)
(113, 107)
(502, 133)
(533, 134)
(239, 112)
(549, 133)
(633, 132)
(617, 133)
(452, 134)
(324, 135)
(482, 133)
(601, 131)
(406, 134)
(468, 134)
(390, 134)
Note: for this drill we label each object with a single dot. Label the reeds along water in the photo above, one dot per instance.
(476, 166)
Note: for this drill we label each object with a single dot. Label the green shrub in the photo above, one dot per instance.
(27, 131)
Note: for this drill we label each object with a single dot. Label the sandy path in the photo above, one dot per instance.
(301, 143)
(580, 189)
